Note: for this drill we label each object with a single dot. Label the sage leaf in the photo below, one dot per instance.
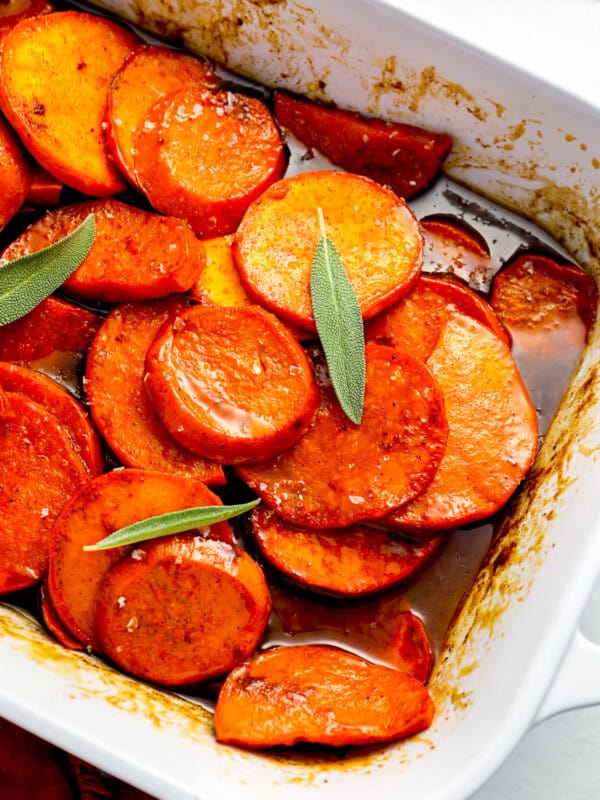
(339, 325)
(28, 280)
(173, 522)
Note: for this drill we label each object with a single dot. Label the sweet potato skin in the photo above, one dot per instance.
(231, 384)
(54, 74)
(183, 611)
(320, 694)
(276, 242)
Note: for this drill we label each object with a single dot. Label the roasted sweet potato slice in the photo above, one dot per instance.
(119, 402)
(340, 473)
(15, 174)
(54, 326)
(453, 248)
(54, 624)
(39, 472)
(205, 157)
(382, 626)
(187, 610)
(404, 157)
(415, 323)
(219, 283)
(136, 255)
(493, 431)
(375, 233)
(147, 75)
(104, 505)
(67, 412)
(231, 384)
(350, 561)
(318, 694)
(54, 75)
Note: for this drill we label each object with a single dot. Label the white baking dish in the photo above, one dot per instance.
(533, 148)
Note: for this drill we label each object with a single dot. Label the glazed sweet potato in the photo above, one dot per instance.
(453, 248)
(136, 255)
(318, 694)
(15, 174)
(104, 505)
(147, 75)
(54, 326)
(39, 472)
(375, 233)
(67, 412)
(416, 322)
(349, 562)
(54, 623)
(119, 402)
(219, 283)
(231, 384)
(183, 610)
(404, 157)
(340, 473)
(493, 430)
(54, 75)
(204, 157)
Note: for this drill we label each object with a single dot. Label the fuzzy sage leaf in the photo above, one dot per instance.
(173, 522)
(28, 280)
(339, 325)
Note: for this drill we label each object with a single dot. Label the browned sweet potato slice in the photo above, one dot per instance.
(375, 233)
(54, 326)
(54, 624)
(231, 384)
(107, 503)
(404, 157)
(136, 255)
(205, 157)
(67, 412)
(349, 561)
(453, 248)
(54, 75)
(415, 323)
(189, 610)
(119, 402)
(382, 626)
(340, 473)
(219, 283)
(493, 432)
(39, 472)
(147, 75)
(319, 694)
(15, 174)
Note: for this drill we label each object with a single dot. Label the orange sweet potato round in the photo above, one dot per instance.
(231, 384)
(15, 174)
(375, 233)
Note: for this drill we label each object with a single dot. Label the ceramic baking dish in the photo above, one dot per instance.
(533, 149)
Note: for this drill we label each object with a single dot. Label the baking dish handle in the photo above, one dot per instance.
(577, 682)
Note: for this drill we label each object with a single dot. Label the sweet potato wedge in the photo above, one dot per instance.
(204, 157)
(145, 76)
(318, 694)
(66, 410)
(119, 403)
(187, 611)
(375, 233)
(340, 473)
(231, 384)
(39, 472)
(107, 503)
(349, 562)
(136, 255)
(15, 174)
(416, 322)
(493, 430)
(404, 157)
(54, 75)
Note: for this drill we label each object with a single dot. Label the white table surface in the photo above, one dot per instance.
(558, 40)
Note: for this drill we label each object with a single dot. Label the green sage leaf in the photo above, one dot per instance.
(339, 325)
(173, 522)
(28, 280)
